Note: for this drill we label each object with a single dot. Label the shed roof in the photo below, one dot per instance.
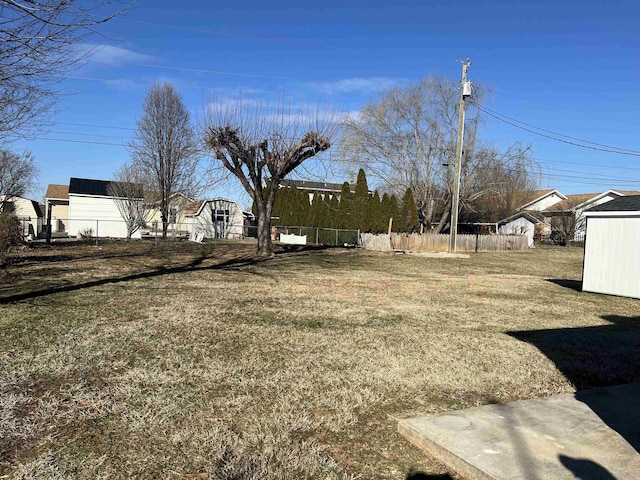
(59, 192)
(194, 208)
(630, 203)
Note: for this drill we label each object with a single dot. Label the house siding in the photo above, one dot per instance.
(612, 255)
(519, 226)
(544, 203)
(204, 221)
(100, 214)
(27, 214)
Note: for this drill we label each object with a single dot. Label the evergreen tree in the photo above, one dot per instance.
(315, 212)
(359, 214)
(345, 207)
(394, 212)
(409, 212)
(333, 214)
(303, 207)
(374, 218)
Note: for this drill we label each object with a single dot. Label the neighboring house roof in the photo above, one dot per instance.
(571, 202)
(102, 188)
(38, 208)
(531, 216)
(316, 186)
(58, 192)
(626, 192)
(534, 196)
(629, 203)
(154, 196)
(194, 208)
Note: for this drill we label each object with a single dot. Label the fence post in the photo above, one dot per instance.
(336, 237)
(96, 232)
(317, 239)
(477, 238)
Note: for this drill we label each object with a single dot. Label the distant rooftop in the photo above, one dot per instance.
(629, 203)
(59, 192)
(87, 186)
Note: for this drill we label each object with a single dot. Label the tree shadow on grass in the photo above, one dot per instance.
(599, 356)
(237, 264)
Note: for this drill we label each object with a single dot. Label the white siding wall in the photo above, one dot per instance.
(25, 211)
(612, 256)
(84, 210)
(204, 221)
(519, 226)
(544, 203)
(580, 220)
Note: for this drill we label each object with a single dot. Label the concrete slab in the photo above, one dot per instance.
(594, 434)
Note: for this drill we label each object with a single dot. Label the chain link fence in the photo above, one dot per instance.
(94, 229)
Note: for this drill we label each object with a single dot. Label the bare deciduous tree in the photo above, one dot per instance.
(165, 149)
(408, 140)
(128, 192)
(37, 46)
(261, 147)
(17, 174)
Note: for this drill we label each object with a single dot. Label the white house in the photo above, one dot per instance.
(28, 211)
(539, 200)
(612, 248)
(93, 210)
(216, 218)
(522, 223)
(56, 201)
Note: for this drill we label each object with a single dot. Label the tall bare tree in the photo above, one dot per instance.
(408, 140)
(37, 39)
(17, 174)
(127, 188)
(261, 146)
(165, 149)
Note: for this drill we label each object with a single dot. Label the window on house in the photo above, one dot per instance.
(220, 216)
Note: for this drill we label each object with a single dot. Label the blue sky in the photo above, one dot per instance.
(566, 66)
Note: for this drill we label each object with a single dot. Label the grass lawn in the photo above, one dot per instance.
(141, 361)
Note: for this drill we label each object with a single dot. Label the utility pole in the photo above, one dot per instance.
(465, 91)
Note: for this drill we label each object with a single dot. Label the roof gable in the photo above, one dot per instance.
(536, 196)
(629, 203)
(59, 192)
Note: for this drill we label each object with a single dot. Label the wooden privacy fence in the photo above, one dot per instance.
(431, 242)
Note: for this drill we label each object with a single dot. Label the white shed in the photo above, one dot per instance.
(215, 218)
(93, 210)
(522, 223)
(28, 211)
(612, 248)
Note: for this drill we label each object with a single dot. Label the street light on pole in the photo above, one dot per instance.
(465, 91)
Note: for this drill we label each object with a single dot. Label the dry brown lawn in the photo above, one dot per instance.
(141, 361)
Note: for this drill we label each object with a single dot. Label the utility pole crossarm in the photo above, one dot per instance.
(464, 93)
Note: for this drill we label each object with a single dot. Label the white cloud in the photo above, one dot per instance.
(358, 85)
(110, 55)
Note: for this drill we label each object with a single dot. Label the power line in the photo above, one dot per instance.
(85, 134)
(95, 126)
(225, 34)
(78, 141)
(213, 72)
(559, 134)
(498, 116)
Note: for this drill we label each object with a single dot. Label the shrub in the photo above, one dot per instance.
(10, 235)
(86, 234)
